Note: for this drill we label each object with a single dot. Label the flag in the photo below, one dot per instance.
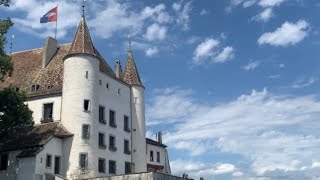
(50, 16)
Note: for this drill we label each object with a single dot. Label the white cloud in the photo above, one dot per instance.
(203, 12)
(183, 13)
(205, 50)
(156, 32)
(278, 133)
(151, 51)
(225, 55)
(251, 66)
(264, 16)
(237, 174)
(304, 82)
(270, 3)
(287, 34)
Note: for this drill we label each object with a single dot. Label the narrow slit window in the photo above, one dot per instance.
(85, 131)
(86, 105)
(87, 74)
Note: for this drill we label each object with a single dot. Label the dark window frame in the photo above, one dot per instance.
(87, 134)
(85, 160)
(126, 146)
(126, 123)
(102, 162)
(127, 167)
(102, 114)
(4, 161)
(86, 105)
(151, 156)
(158, 156)
(46, 106)
(112, 169)
(48, 161)
(112, 118)
(112, 143)
(102, 142)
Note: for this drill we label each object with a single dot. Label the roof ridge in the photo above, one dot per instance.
(40, 48)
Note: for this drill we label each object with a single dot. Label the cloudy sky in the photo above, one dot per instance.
(233, 84)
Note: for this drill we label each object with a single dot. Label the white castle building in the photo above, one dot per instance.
(89, 120)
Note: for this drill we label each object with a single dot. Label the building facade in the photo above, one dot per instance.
(90, 120)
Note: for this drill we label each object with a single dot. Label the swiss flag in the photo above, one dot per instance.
(50, 16)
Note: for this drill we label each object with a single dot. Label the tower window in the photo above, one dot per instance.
(119, 91)
(100, 82)
(107, 85)
(86, 131)
(112, 167)
(102, 165)
(151, 155)
(83, 160)
(86, 104)
(87, 74)
(127, 167)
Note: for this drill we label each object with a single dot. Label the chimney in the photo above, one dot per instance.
(159, 137)
(49, 50)
(118, 70)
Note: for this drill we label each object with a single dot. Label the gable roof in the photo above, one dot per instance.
(131, 75)
(156, 143)
(37, 137)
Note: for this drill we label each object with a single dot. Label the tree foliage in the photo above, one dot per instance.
(15, 116)
(6, 66)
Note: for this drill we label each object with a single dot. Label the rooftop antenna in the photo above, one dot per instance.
(11, 43)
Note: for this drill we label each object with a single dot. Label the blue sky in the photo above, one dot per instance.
(233, 84)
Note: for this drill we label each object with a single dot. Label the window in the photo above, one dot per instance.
(158, 157)
(35, 87)
(57, 161)
(100, 82)
(112, 143)
(112, 119)
(101, 141)
(48, 161)
(126, 147)
(47, 112)
(112, 167)
(126, 123)
(151, 155)
(4, 162)
(86, 104)
(101, 165)
(107, 86)
(119, 91)
(86, 131)
(83, 160)
(127, 167)
(101, 115)
(87, 74)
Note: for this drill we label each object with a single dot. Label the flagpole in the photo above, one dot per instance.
(55, 34)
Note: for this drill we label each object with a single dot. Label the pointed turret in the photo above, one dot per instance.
(131, 75)
(82, 43)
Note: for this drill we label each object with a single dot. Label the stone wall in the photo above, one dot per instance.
(140, 176)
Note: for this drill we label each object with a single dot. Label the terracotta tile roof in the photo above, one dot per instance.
(131, 75)
(156, 143)
(82, 42)
(28, 71)
(37, 137)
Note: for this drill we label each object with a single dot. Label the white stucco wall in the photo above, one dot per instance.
(138, 126)
(54, 148)
(26, 168)
(36, 105)
(76, 89)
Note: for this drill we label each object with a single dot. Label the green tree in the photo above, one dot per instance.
(15, 116)
(6, 66)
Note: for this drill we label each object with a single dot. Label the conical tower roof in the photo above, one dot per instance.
(131, 75)
(82, 43)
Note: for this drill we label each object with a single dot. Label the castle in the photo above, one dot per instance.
(89, 119)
